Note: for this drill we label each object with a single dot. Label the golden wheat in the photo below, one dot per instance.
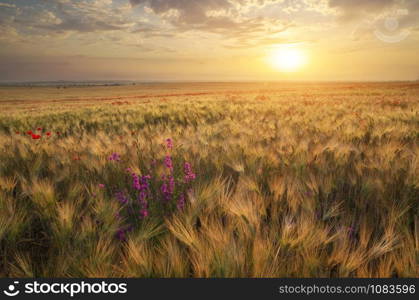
(295, 180)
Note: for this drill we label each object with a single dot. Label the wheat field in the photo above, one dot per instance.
(210, 180)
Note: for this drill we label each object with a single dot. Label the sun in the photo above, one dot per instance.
(288, 59)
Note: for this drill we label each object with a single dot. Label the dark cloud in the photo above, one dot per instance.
(216, 16)
(48, 17)
(68, 16)
(53, 19)
(81, 25)
(190, 11)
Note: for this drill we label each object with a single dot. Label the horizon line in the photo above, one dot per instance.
(162, 81)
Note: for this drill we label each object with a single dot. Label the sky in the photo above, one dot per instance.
(209, 40)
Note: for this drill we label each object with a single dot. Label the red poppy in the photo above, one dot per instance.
(39, 129)
(58, 133)
(29, 132)
(48, 133)
(36, 136)
(17, 132)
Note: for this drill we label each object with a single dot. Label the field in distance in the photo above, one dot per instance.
(210, 180)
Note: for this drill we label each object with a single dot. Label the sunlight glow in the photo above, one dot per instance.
(288, 59)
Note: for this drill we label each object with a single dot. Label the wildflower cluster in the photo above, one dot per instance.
(189, 174)
(156, 192)
(115, 157)
(37, 134)
(121, 197)
(141, 184)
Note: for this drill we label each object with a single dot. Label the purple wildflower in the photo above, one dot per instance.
(171, 184)
(144, 182)
(189, 174)
(120, 234)
(143, 213)
(168, 162)
(165, 190)
(136, 182)
(143, 204)
(142, 196)
(168, 187)
(142, 185)
(121, 197)
(169, 143)
(115, 157)
(181, 202)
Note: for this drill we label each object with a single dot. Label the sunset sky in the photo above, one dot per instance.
(209, 40)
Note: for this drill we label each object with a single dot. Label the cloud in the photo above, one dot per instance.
(146, 24)
(69, 16)
(62, 18)
(378, 20)
(188, 11)
(228, 18)
(192, 12)
(7, 5)
(349, 5)
(355, 9)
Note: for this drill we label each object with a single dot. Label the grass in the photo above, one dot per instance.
(292, 180)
